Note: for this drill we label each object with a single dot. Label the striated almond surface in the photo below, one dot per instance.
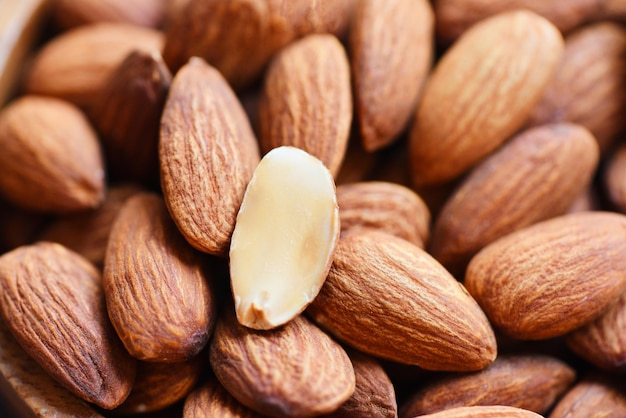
(552, 277)
(592, 397)
(72, 13)
(292, 371)
(51, 159)
(306, 100)
(207, 153)
(212, 400)
(52, 301)
(484, 412)
(535, 176)
(481, 92)
(391, 49)
(389, 298)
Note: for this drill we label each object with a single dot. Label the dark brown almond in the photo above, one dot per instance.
(552, 277)
(592, 397)
(306, 100)
(389, 298)
(156, 285)
(208, 153)
(391, 48)
(52, 301)
(51, 159)
(212, 400)
(535, 176)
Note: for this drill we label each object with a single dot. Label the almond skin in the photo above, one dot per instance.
(207, 153)
(156, 285)
(293, 371)
(614, 176)
(389, 69)
(523, 381)
(75, 343)
(484, 412)
(386, 207)
(389, 298)
(71, 13)
(481, 92)
(592, 397)
(550, 278)
(535, 176)
(77, 64)
(48, 166)
(306, 100)
(212, 400)
(588, 87)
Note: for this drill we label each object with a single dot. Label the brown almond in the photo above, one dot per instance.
(552, 277)
(52, 301)
(484, 412)
(614, 177)
(391, 49)
(306, 100)
(387, 297)
(535, 176)
(481, 92)
(239, 37)
(72, 13)
(51, 159)
(212, 400)
(156, 285)
(592, 397)
(292, 371)
(77, 64)
(603, 342)
(207, 153)
(588, 87)
(386, 207)
(531, 382)
(128, 115)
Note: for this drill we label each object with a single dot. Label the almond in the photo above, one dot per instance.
(52, 302)
(603, 342)
(535, 176)
(207, 153)
(386, 207)
(588, 86)
(72, 13)
(292, 371)
(614, 177)
(46, 165)
(552, 277)
(484, 412)
(391, 49)
(212, 400)
(592, 397)
(306, 101)
(284, 238)
(529, 382)
(77, 64)
(156, 285)
(389, 298)
(481, 92)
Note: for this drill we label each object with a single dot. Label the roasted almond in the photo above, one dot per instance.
(207, 153)
(306, 100)
(535, 176)
(292, 371)
(72, 13)
(592, 397)
(391, 49)
(484, 412)
(51, 159)
(52, 301)
(212, 400)
(387, 297)
(552, 277)
(481, 92)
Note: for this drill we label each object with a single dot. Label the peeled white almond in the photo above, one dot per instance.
(284, 238)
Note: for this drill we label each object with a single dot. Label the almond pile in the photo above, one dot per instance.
(350, 208)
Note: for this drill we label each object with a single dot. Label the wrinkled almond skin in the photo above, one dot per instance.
(614, 177)
(389, 298)
(71, 13)
(592, 397)
(603, 342)
(389, 69)
(239, 37)
(535, 176)
(212, 400)
(52, 301)
(47, 166)
(156, 285)
(207, 154)
(588, 87)
(484, 412)
(456, 16)
(523, 381)
(76, 65)
(128, 115)
(306, 100)
(293, 371)
(552, 277)
(384, 206)
(481, 92)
